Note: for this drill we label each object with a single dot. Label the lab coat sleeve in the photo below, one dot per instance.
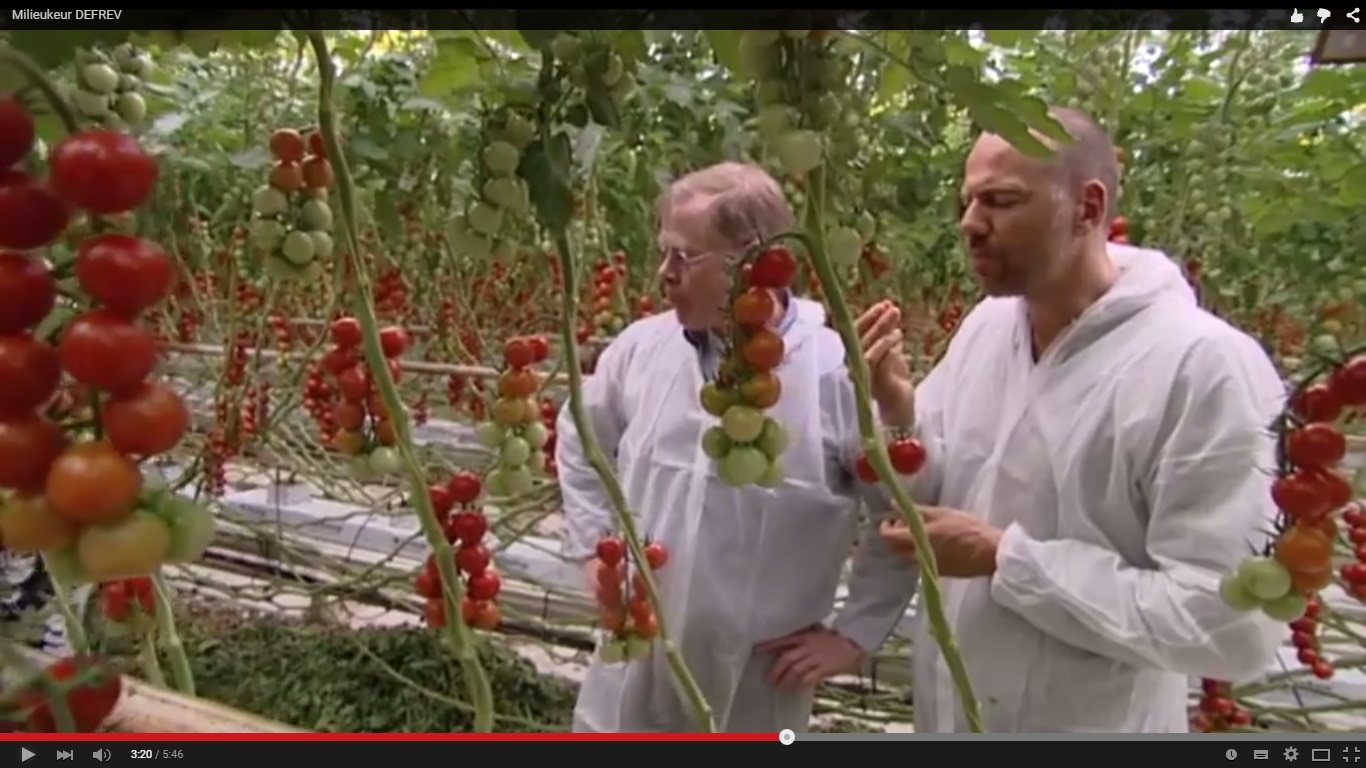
(1208, 493)
(587, 508)
(881, 582)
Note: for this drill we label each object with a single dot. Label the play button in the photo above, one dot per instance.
(24, 754)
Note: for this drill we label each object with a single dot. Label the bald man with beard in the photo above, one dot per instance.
(1098, 458)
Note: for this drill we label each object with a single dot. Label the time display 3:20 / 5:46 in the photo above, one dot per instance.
(156, 754)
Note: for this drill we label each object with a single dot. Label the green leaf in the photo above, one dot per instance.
(455, 67)
(546, 171)
(725, 43)
(601, 106)
(985, 105)
(51, 49)
(1009, 38)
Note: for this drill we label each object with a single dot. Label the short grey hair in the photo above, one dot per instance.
(747, 204)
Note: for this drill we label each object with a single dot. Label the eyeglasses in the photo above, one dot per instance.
(684, 259)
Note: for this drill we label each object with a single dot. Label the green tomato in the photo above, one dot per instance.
(799, 152)
(484, 219)
(773, 440)
(297, 247)
(773, 475)
(385, 461)
(1286, 608)
(192, 531)
(612, 651)
(535, 434)
(131, 107)
(322, 244)
(1234, 595)
(566, 47)
(65, 566)
(536, 463)
(100, 78)
(774, 120)
(637, 648)
(514, 452)
(715, 443)
(267, 234)
(518, 481)
(716, 400)
(279, 269)
(742, 423)
(742, 466)
(502, 192)
(91, 104)
(844, 245)
(317, 216)
(520, 131)
(1264, 578)
(496, 482)
(490, 435)
(501, 158)
(268, 201)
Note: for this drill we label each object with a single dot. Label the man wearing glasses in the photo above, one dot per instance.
(752, 572)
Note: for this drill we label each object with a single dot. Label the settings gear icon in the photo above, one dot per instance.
(1291, 753)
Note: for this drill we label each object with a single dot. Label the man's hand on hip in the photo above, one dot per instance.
(879, 330)
(806, 657)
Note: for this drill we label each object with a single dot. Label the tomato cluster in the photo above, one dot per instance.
(391, 294)
(1217, 710)
(625, 610)
(608, 299)
(129, 602)
(747, 445)
(1309, 491)
(798, 103)
(365, 431)
(107, 87)
(293, 223)
(464, 526)
(516, 432)
(1119, 230)
(83, 503)
(91, 691)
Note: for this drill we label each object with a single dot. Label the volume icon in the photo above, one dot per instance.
(102, 755)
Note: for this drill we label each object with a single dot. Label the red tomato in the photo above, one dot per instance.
(464, 487)
(317, 173)
(1317, 402)
(34, 216)
(1337, 491)
(287, 145)
(1315, 445)
(354, 384)
(469, 527)
(540, 348)
(316, 145)
(29, 373)
(656, 555)
(27, 292)
(92, 483)
(481, 614)
(338, 360)
(907, 455)
(103, 350)
(146, 421)
(484, 586)
(611, 551)
(1348, 382)
(346, 332)
(28, 446)
(393, 341)
(124, 273)
(102, 171)
(434, 612)
(518, 353)
(428, 583)
(441, 500)
(115, 601)
(863, 468)
(1299, 496)
(90, 703)
(472, 559)
(774, 268)
(16, 131)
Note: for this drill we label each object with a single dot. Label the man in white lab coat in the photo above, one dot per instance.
(1098, 458)
(752, 572)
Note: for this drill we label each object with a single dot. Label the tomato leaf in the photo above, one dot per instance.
(546, 171)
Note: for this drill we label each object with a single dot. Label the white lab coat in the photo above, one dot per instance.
(1129, 469)
(746, 564)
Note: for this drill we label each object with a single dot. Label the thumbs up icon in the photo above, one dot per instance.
(1324, 13)
(1296, 17)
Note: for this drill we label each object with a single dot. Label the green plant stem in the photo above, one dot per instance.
(458, 634)
(569, 309)
(876, 450)
(168, 637)
(147, 655)
(39, 79)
